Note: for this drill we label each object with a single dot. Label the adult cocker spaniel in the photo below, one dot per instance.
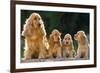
(36, 43)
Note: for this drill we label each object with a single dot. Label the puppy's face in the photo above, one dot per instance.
(80, 36)
(55, 35)
(35, 20)
(67, 39)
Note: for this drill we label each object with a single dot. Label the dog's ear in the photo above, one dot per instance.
(29, 20)
(27, 27)
(51, 36)
(63, 41)
(43, 28)
(71, 39)
(23, 32)
(60, 33)
(51, 39)
(26, 21)
(26, 30)
(83, 38)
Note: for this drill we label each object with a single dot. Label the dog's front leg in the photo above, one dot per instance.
(27, 54)
(59, 52)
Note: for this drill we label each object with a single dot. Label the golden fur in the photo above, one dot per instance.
(55, 44)
(68, 48)
(83, 45)
(36, 42)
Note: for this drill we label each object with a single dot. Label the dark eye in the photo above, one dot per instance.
(39, 18)
(65, 38)
(68, 38)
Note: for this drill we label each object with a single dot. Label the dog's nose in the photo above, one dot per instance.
(66, 42)
(58, 38)
(39, 24)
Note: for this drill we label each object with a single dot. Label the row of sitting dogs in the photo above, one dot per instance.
(38, 46)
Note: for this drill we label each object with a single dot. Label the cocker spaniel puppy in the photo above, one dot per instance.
(55, 44)
(83, 45)
(36, 43)
(68, 48)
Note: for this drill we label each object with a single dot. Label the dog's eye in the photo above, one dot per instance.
(38, 18)
(65, 38)
(68, 38)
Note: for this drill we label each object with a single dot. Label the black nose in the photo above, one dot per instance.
(66, 42)
(39, 24)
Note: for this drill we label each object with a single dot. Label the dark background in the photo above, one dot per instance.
(65, 22)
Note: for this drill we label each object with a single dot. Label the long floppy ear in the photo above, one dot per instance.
(23, 31)
(71, 40)
(43, 28)
(60, 33)
(63, 39)
(27, 27)
(51, 37)
(29, 21)
(41, 22)
(83, 38)
(26, 30)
